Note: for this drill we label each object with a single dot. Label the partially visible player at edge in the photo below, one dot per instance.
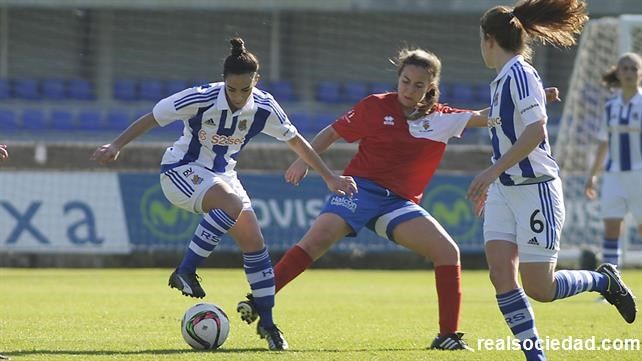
(521, 193)
(402, 137)
(197, 172)
(4, 153)
(619, 137)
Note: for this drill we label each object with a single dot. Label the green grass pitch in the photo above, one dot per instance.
(131, 314)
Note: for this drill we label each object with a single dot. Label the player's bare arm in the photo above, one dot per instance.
(109, 152)
(321, 142)
(338, 184)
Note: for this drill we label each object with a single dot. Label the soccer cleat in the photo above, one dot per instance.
(187, 283)
(274, 337)
(617, 293)
(451, 342)
(247, 310)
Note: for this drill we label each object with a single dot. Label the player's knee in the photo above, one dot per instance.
(316, 244)
(539, 294)
(502, 280)
(446, 255)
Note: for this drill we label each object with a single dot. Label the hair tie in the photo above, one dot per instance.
(511, 15)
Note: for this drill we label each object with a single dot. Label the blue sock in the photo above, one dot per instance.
(611, 251)
(519, 316)
(260, 275)
(206, 237)
(570, 283)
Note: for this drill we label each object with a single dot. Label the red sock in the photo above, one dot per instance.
(291, 265)
(448, 279)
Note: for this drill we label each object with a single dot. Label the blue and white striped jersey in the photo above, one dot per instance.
(517, 100)
(213, 136)
(622, 128)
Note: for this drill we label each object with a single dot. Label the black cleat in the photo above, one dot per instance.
(274, 337)
(617, 293)
(247, 309)
(186, 283)
(450, 342)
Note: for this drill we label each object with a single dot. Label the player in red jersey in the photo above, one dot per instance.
(402, 138)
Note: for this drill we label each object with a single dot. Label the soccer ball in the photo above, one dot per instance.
(205, 326)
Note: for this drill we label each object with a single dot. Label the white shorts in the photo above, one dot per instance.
(622, 193)
(186, 185)
(531, 216)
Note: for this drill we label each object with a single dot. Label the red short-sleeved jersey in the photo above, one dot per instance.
(396, 153)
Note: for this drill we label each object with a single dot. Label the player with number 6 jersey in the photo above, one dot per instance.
(521, 192)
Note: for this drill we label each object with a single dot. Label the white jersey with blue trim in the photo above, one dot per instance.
(213, 135)
(518, 100)
(621, 127)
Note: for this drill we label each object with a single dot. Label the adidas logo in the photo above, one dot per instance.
(533, 241)
(209, 121)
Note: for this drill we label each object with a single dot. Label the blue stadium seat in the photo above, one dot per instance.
(62, 120)
(34, 119)
(53, 89)
(462, 95)
(328, 92)
(125, 90)
(90, 120)
(151, 89)
(378, 88)
(354, 91)
(445, 93)
(80, 89)
(8, 120)
(322, 120)
(302, 121)
(174, 86)
(5, 89)
(118, 119)
(282, 90)
(26, 89)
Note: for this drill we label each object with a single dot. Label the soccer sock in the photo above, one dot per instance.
(570, 283)
(206, 237)
(519, 316)
(611, 251)
(448, 282)
(260, 275)
(292, 264)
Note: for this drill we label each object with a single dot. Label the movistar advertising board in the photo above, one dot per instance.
(285, 212)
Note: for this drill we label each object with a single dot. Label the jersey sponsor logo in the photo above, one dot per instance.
(344, 202)
(528, 108)
(388, 120)
(217, 139)
(494, 122)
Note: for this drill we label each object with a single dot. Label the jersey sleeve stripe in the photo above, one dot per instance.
(517, 83)
(194, 99)
(272, 108)
(196, 93)
(524, 77)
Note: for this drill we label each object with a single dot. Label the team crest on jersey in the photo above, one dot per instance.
(635, 116)
(196, 179)
(389, 120)
(425, 124)
(243, 124)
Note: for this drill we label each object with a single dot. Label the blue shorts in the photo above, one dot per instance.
(374, 207)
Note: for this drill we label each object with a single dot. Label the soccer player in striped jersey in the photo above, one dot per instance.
(620, 137)
(521, 193)
(197, 172)
(4, 153)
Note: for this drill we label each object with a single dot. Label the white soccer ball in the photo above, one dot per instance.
(205, 326)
